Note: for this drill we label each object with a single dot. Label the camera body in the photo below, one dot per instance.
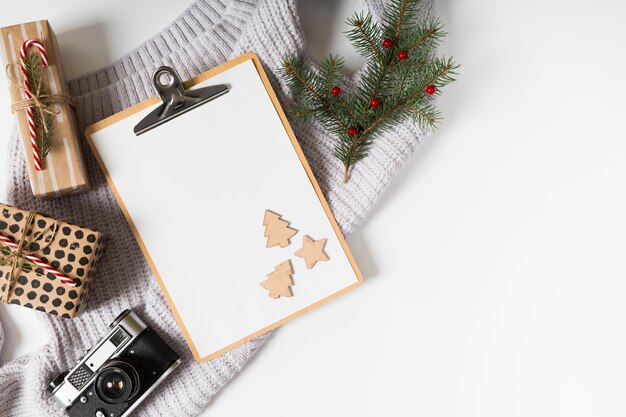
(117, 374)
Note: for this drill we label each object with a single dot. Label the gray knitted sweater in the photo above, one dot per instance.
(208, 33)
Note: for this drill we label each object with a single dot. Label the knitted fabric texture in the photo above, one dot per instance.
(207, 34)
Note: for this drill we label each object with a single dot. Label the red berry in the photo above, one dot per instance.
(351, 131)
(335, 90)
(431, 89)
(402, 55)
(374, 102)
(387, 43)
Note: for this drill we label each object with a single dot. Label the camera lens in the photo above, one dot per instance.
(114, 385)
(118, 381)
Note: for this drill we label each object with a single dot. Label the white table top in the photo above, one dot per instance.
(494, 264)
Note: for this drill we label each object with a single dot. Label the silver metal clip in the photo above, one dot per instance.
(176, 100)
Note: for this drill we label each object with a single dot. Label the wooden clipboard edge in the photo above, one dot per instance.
(294, 141)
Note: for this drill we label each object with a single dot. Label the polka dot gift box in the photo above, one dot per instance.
(46, 264)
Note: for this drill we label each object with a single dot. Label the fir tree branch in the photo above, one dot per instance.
(331, 71)
(292, 70)
(365, 36)
(301, 79)
(400, 88)
(349, 110)
(367, 39)
(427, 117)
(304, 113)
(392, 88)
(441, 78)
(398, 15)
(42, 119)
(358, 145)
(429, 32)
(402, 16)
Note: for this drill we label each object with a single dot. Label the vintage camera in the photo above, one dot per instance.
(117, 374)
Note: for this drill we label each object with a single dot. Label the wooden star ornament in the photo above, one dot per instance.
(312, 251)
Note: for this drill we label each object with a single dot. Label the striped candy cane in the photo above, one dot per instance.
(28, 94)
(64, 278)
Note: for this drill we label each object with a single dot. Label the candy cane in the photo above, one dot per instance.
(64, 278)
(28, 94)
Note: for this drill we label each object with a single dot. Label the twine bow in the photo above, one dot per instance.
(15, 255)
(42, 102)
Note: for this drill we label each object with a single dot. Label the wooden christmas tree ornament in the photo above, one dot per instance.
(277, 230)
(312, 251)
(279, 282)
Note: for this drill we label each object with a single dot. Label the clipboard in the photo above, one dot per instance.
(195, 190)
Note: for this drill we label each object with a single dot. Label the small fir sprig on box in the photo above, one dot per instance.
(41, 118)
(401, 79)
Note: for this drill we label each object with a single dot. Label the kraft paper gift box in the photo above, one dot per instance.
(62, 170)
(52, 271)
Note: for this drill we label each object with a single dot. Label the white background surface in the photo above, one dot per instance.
(495, 262)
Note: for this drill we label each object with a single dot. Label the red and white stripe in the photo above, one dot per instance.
(64, 278)
(28, 94)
